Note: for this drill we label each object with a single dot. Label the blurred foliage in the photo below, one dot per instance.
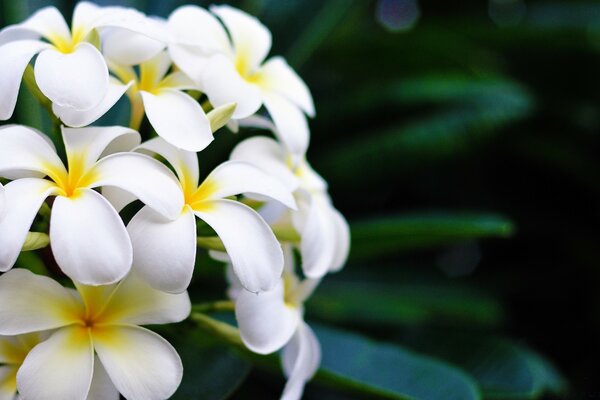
(461, 142)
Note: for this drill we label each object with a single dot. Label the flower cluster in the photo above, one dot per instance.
(188, 75)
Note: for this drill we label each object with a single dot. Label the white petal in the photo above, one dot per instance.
(266, 323)
(47, 22)
(166, 265)
(89, 240)
(254, 251)
(102, 387)
(14, 58)
(268, 155)
(178, 119)
(2, 201)
(93, 142)
(292, 128)
(24, 149)
(185, 163)
(24, 197)
(72, 117)
(129, 48)
(59, 368)
(301, 358)
(236, 177)
(134, 21)
(149, 180)
(77, 80)
(342, 235)
(119, 198)
(223, 85)
(193, 25)
(277, 76)
(8, 382)
(31, 303)
(141, 364)
(84, 15)
(251, 39)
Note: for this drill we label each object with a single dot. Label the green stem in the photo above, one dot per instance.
(222, 330)
(215, 306)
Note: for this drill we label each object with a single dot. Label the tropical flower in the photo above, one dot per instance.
(232, 71)
(324, 233)
(274, 319)
(254, 250)
(69, 69)
(96, 328)
(88, 238)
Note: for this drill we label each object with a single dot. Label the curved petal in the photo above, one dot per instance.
(76, 80)
(134, 302)
(193, 25)
(71, 117)
(292, 128)
(89, 240)
(178, 119)
(24, 149)
(185, 163)
(254, 251)
(149, 180)
(266, 323)
(32, 303)
(129, 48)
(301, 358)
(141, 364)
(223, 85)
(277, 76)
(59, 368)
(342, 235)
(235, 177)
(102, 387)
(14, 58)
(251, 39)
(119, 198)
(84, 15)
(8, 382)
(165, 265)
(268, 155)
(47, 22)
(24, 197)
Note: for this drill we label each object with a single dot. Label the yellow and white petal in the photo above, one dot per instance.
(166, 265)
(237, 177)
(141, 364)
(254, 251)
(32, 303)
(134, 302)
(178, 119)
(149, 180)
(84, 146)
(47, 22)
(76, 80)
(60, 367)
(278, 77)
(266, 323)
(301, 358)
(88, 239)
(129, 48)
(268, 155)
(179, 81)
(14, 57)
(102, 387)
(342, 240)
(223, 84)
(23, 149)
(8, 382)
(292, 127)
(11, 350)
(24, 197)
(84, 16)
(251, 39)
(72, 117)
(185, 163)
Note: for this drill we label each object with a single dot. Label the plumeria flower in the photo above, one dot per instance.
(98, 348)
(232, 71)
(69, 69)
(165, 251)
(88, 238)
(13, 350)
(324, 233)
(274, 319)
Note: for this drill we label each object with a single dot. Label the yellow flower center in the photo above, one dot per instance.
(244, 68)
(77, 177)
(196, 196)
(68, 44)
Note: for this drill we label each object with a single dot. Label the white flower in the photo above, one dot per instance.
(271, 320)
(13, 350)
(232, 71)
(88, 238)
(165, 251)
(69, 70)
(325, 235)
(97, 337)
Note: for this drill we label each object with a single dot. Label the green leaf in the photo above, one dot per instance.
(412, 304)
(377, 237)
(35, 241)
(388, 371)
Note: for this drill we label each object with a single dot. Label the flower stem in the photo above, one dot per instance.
(222, 330)
(215, 306)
